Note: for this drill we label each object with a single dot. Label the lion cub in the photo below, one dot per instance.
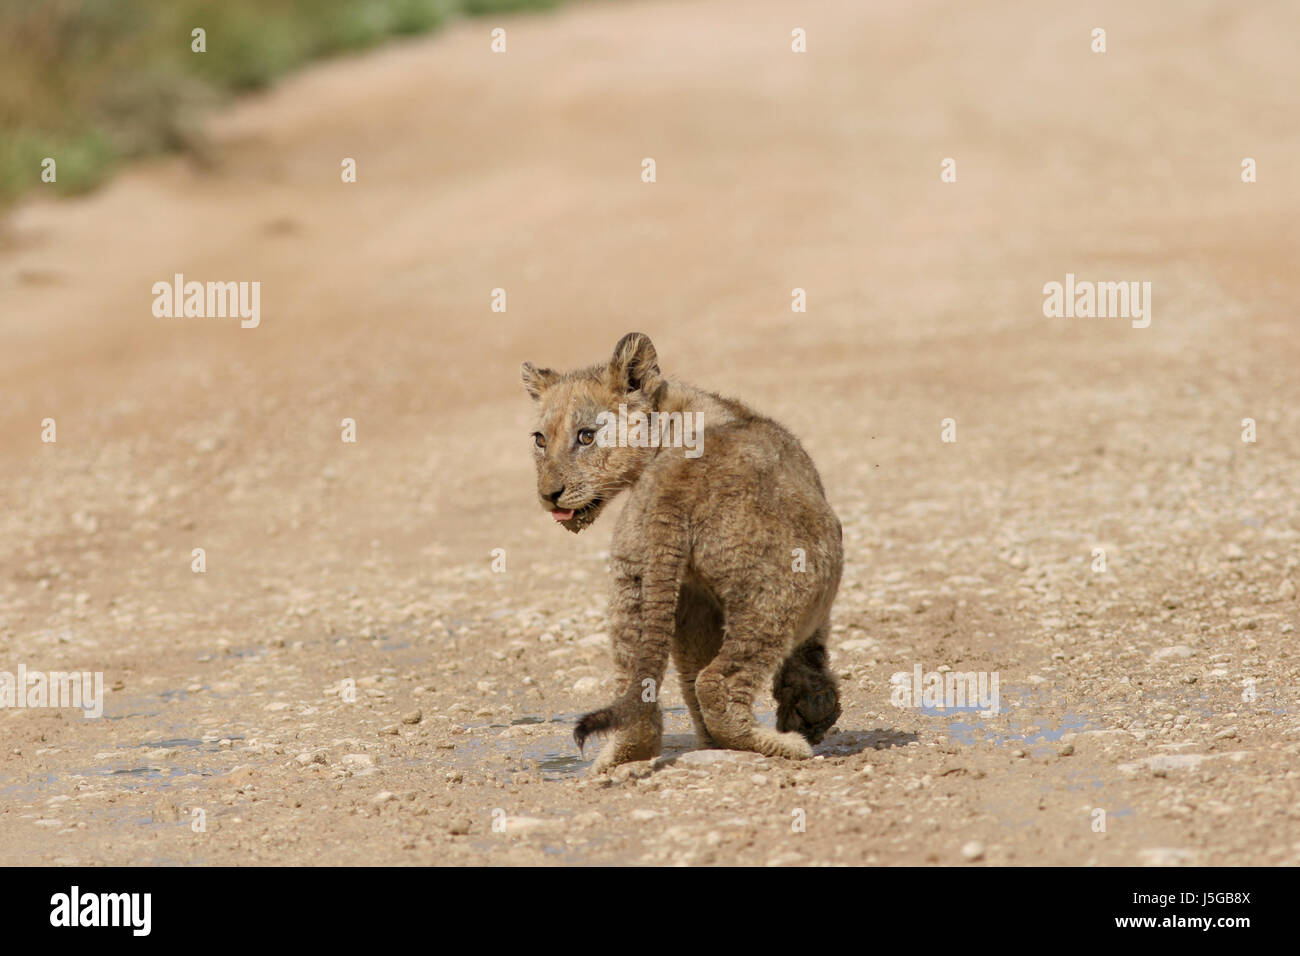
(726, 556)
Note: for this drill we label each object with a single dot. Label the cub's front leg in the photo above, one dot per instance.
(635, 720)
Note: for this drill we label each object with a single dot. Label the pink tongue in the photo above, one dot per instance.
(562, 515)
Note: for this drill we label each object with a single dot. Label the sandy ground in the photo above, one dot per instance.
(1124, 690)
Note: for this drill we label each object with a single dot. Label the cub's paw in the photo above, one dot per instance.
(617, 752)
(641, 740)
(773, 744)
(606, 760)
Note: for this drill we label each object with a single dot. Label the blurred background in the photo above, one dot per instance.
(96, 82)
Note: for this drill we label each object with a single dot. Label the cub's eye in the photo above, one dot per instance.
(539, 439)
(586, 436)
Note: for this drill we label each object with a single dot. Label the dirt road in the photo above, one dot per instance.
(1160, 690)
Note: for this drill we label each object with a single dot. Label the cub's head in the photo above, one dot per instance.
(580, 462)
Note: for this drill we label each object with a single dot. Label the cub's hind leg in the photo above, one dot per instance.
(752, 649)
(695, 644)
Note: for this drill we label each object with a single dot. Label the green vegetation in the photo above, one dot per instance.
(94, 82)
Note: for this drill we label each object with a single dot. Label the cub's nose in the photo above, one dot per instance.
(554, 496)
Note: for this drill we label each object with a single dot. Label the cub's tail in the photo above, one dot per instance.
(618, 714)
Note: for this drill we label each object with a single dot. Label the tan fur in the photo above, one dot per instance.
(702, 559)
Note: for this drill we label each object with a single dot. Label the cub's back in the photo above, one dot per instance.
(753, 490)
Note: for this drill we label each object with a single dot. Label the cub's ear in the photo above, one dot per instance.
(635, 365)
(536, 380)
